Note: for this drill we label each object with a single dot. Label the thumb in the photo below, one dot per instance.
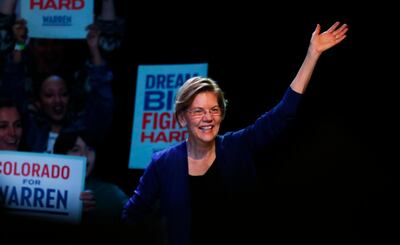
(317, 29)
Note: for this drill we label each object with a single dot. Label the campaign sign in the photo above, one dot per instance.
(57, 18)
(42, 186)
(154, 124)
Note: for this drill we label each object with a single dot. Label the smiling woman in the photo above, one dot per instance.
(10, 125)
(207, 183)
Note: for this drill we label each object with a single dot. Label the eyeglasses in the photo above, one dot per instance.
(201, 112)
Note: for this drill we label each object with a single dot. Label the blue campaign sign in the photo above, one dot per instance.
(154, 124)
(42, 186)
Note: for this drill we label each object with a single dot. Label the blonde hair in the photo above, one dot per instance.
(192, 87)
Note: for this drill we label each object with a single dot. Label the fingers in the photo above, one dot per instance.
(341, 30)
(20, 30)
(20, 22)
(93, 28)
(317, 29)
(88, 199)
(93, 31)
(340, 33)
(333, 27)
(340, 38)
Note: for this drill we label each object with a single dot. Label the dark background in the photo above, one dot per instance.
(332, 177)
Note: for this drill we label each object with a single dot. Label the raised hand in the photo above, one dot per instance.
(20, 30)
(92, 38)
(322, 41)
(319, 43)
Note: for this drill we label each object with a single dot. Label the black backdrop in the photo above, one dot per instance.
(332, 177)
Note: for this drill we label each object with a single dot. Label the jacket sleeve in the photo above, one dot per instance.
(13, 81)
(145, 196)
(271, 124)
(99, 107)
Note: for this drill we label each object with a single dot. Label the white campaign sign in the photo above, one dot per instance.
(43, 186)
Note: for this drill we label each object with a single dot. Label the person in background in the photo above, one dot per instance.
(51, 105)
(103, 201)
(7, 20)
(111, 27)
(51, 51)
(10, 125)
(205, 184)
(41, 55)
(55, 93)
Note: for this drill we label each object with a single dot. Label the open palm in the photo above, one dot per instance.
(323, 41)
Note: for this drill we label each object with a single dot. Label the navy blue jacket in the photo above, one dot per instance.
(166, 177)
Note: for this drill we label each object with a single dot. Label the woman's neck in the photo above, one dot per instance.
(197, 150)
(200, 157)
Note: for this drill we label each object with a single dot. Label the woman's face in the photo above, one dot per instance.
(54, 98)
(203, 118)
(10, 128)
(82, 149)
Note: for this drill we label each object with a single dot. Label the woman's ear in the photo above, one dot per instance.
(182, 121)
